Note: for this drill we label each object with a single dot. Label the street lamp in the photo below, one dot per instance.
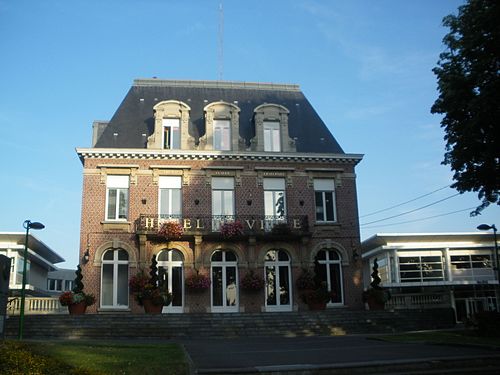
(488, 227)
(28, 224)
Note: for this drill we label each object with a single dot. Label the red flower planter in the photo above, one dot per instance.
(150, 307)
(77, 308)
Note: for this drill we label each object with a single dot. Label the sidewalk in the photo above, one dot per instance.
(339, 355)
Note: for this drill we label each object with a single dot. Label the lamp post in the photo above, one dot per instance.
(488, 227)
(28, 224)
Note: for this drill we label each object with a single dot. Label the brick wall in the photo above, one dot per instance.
(143, 199)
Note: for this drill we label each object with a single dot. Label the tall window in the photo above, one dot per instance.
(224, 281)
(170, 197)
(274, 201)
(272, 136)
(171, 276)
(330, 271)
(277, 272)
(171, 133)
(222, 135)
(117, 198)
(324, 193)
(114, 279)
(222, 200)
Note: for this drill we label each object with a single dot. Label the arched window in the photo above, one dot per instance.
(171, 275)
(114, 279)
(224, 267)
(278, 276)
(329, 270)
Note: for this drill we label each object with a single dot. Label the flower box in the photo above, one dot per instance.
(171, 230)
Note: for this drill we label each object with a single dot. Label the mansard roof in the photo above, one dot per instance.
(133, 122)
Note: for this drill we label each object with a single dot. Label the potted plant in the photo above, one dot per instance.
(318, 298)
(252, 282)
(171, 230)
(76, 300)
(376, 296)
(231, 229)
(305, 281)
(147, 292)
(197, 282)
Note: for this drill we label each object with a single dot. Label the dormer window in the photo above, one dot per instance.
(222, 135)
(271, 129)
(171, 126)
(272, 137)
(171, 134)
(221, 127)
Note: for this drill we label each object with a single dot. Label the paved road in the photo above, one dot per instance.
(224, 355)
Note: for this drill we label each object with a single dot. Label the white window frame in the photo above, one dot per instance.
(276, 264)
(326, 263)
(170, 265)
(224, 264)
(222, 187)
(120, 184)
(169, 183)
(272, 136)
(115, 262)
(275, 187)
(174, 134)
(222, 135)
(325, 186)
(421, 279)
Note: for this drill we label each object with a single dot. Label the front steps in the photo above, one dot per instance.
(331, 322)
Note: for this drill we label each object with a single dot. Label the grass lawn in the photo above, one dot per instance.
(90, 358)
(445, 337)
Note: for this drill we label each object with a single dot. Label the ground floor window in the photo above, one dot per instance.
(329, 270)
(224, 270)
(171, 275)
(277, 275)
(114, 279)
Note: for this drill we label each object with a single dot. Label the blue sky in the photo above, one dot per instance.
(365, 66)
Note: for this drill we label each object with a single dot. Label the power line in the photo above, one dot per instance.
(401, 204)
(422, 219)
(409, 212)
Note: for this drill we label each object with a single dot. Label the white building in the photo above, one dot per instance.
(435, 269)
(41, 261)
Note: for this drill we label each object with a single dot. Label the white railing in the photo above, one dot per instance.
(36, 305)
(418, 301)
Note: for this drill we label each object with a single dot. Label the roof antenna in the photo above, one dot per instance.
(221, 42)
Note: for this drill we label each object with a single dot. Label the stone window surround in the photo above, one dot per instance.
(222, 111)
(171, 109)
(272, 112)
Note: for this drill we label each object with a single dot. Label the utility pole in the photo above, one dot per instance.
(221, 43)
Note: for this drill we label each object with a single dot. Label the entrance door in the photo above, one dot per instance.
(278, 276)
(170, 273)
(224, 282)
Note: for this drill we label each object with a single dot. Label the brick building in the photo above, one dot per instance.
(207, 155)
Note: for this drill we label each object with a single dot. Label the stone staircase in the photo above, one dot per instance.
(174, 326)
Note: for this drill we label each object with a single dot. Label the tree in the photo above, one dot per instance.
(78, 288)
(468, 74)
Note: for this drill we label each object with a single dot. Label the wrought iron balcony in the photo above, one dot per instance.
(248, 225)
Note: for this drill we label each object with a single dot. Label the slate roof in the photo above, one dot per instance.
(133, 122)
